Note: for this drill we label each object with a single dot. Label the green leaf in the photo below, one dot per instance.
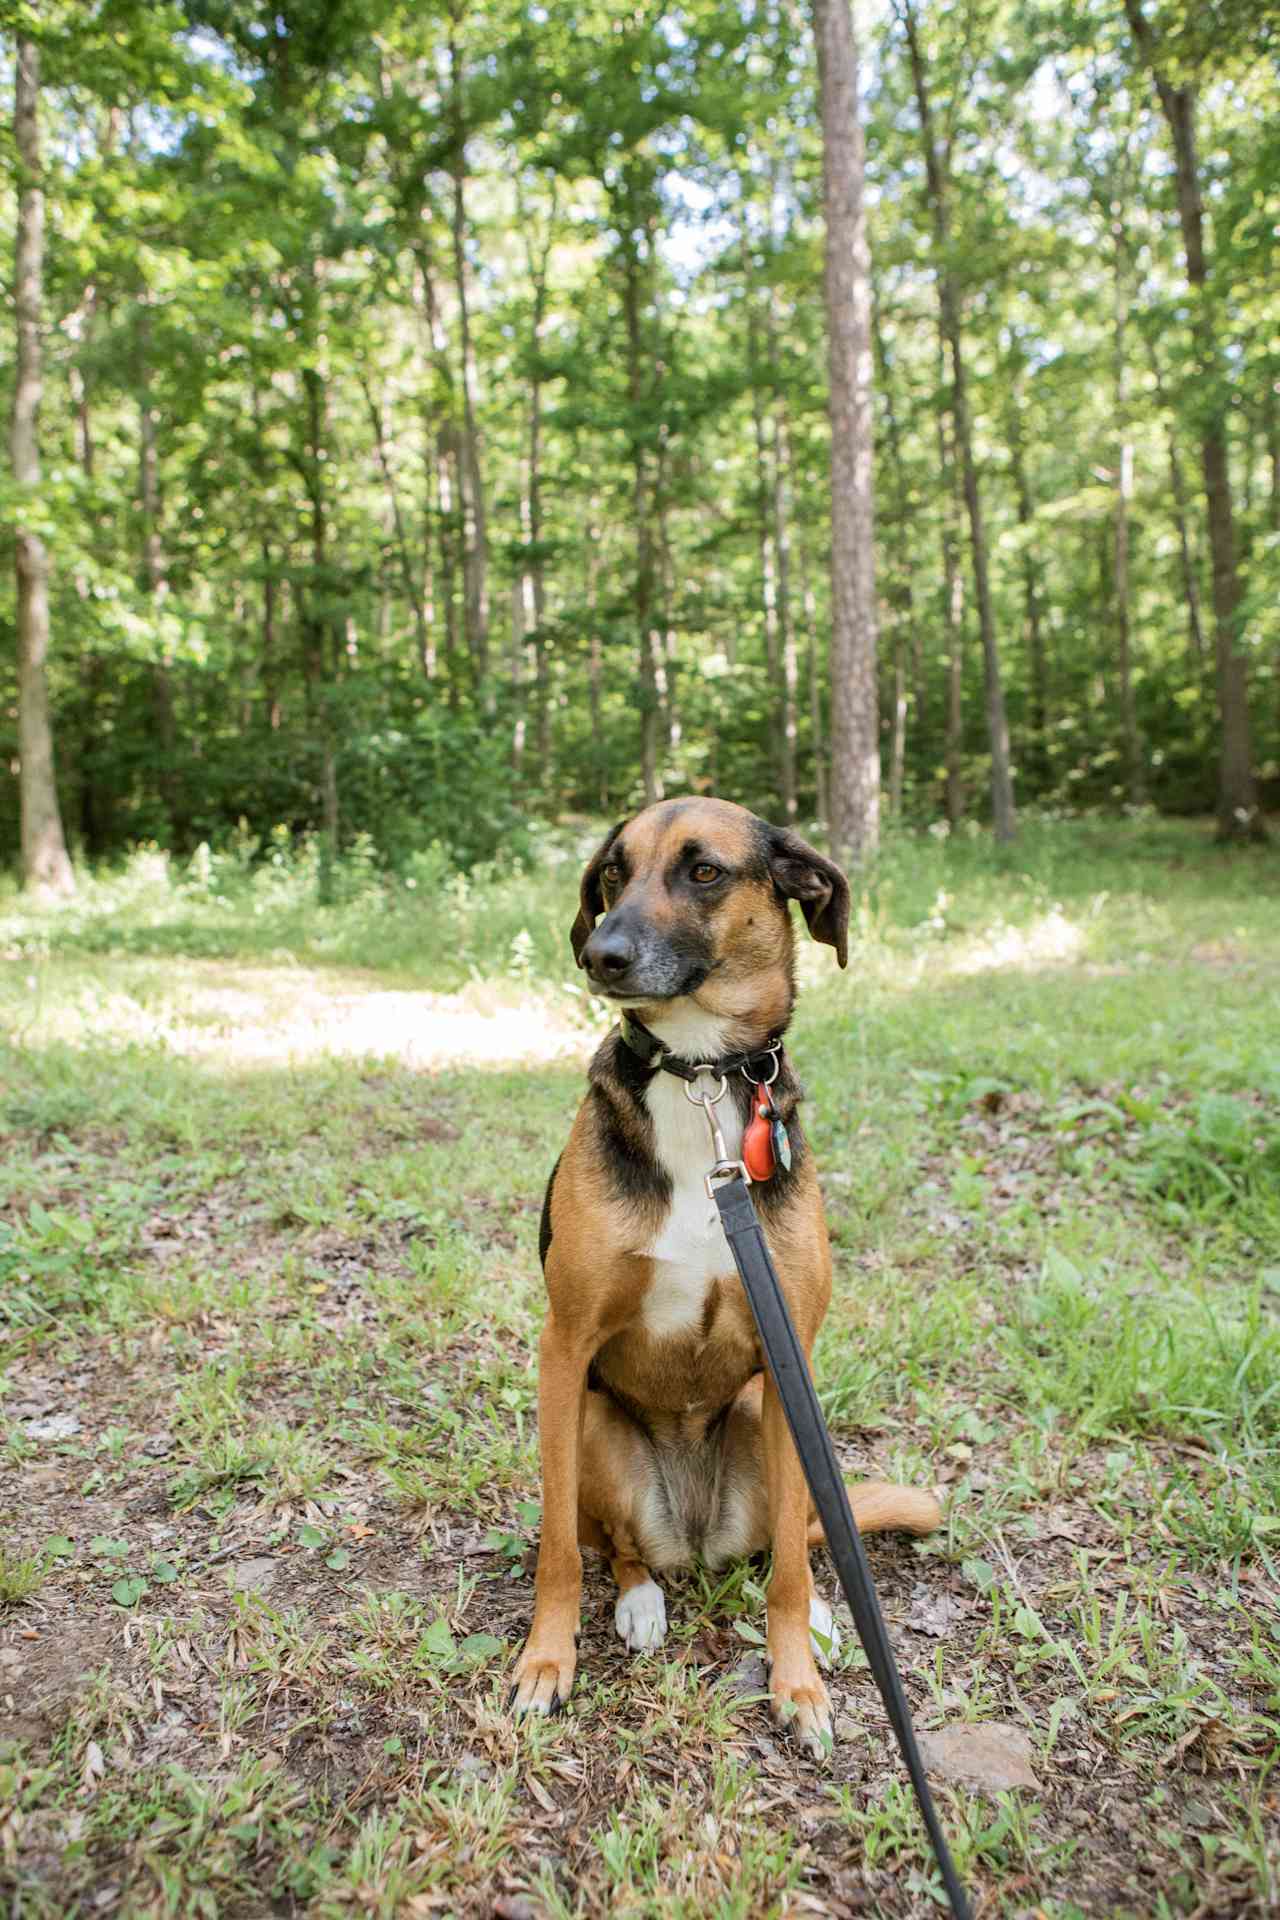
(59, 1548)
(310, 1536)
(338, 1559)
(1060, 1270)
(981, 1573)
(437, 1642)
(109, 1549)
(745, 1631)
(479, 1647)
(128, 1592)
(164, 1571)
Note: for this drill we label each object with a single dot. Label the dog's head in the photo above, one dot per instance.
(694, 897)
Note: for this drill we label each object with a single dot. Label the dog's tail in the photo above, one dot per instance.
(879, 1505)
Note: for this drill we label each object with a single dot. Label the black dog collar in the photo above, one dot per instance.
(760, 1064)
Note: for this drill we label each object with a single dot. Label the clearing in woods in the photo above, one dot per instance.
(269, 1296)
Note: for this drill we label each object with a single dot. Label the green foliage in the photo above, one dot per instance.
(253, 255)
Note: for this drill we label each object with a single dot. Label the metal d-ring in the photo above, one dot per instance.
(706, 1099)
(775, 1056)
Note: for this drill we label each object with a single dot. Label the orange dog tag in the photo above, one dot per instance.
(757, 1140)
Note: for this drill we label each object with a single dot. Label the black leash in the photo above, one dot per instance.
(826, 1483)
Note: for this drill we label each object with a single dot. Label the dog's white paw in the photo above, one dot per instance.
(824, 1635)
(641, 1617)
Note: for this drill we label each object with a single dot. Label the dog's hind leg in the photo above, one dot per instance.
(618, 1471)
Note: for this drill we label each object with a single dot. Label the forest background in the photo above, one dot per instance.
(434, 431)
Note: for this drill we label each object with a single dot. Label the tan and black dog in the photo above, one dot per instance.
(662, 1440)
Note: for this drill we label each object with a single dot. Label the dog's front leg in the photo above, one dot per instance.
(796, 1691)
(544, 1672)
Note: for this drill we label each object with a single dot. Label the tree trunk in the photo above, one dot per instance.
(412, 586)
(475, 551)
(1182, 522)
(650, 640)
(1271, 418)
(535, 570)
(595, 664)
(316, 621)
(1004, 816)
(953, 607)
(855, 724)
(901, 594)
(155, 584)
(1134, 781)
(269, 668)
(781, 495)
(1039, 755)
(821, 791)
(46, 868)
(1190, 576)
(764, 516)
(667, 675)
(1238, 814)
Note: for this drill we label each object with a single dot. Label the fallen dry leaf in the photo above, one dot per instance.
(934, 1613)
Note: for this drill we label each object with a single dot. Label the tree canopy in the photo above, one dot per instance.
(435, 430)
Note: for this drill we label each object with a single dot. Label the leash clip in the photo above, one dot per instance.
(724, 1169)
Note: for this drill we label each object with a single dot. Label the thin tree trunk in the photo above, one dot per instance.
(855, 725)
(1004, 815)
(953, 606)
(1182, 522)
(448, 466)
(316, 623)
(901, 594)
(813, 674)
(534, 572)
(475, 552)
(1190, 575)
(155, 584)
(595, 664)
(1238, 813)
(1134, 780)
(667, 675)
(764, 518)
(650, 714)
(270, 661)
(46, 868)
(786, 619)
(1039, 755)
(412, 586)
(781, 491)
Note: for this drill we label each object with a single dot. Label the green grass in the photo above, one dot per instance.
(270, 1176)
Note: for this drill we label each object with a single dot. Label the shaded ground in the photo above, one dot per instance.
(268, 1479)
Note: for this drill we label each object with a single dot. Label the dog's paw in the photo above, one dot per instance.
(824, 1634)
(542, 1678)
(641, 1617)
(805, 1712)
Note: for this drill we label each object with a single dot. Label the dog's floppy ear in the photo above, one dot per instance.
(590, 899)
(801, 873)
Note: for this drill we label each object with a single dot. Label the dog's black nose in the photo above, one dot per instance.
(609, 953)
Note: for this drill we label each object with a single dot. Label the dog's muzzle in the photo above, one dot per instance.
(627, 960)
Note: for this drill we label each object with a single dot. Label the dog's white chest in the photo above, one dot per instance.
(689, 1250)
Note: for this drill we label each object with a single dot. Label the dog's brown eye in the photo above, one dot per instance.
(611, 873)
(704, 873)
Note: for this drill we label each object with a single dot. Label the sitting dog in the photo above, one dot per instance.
(662, 1439)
